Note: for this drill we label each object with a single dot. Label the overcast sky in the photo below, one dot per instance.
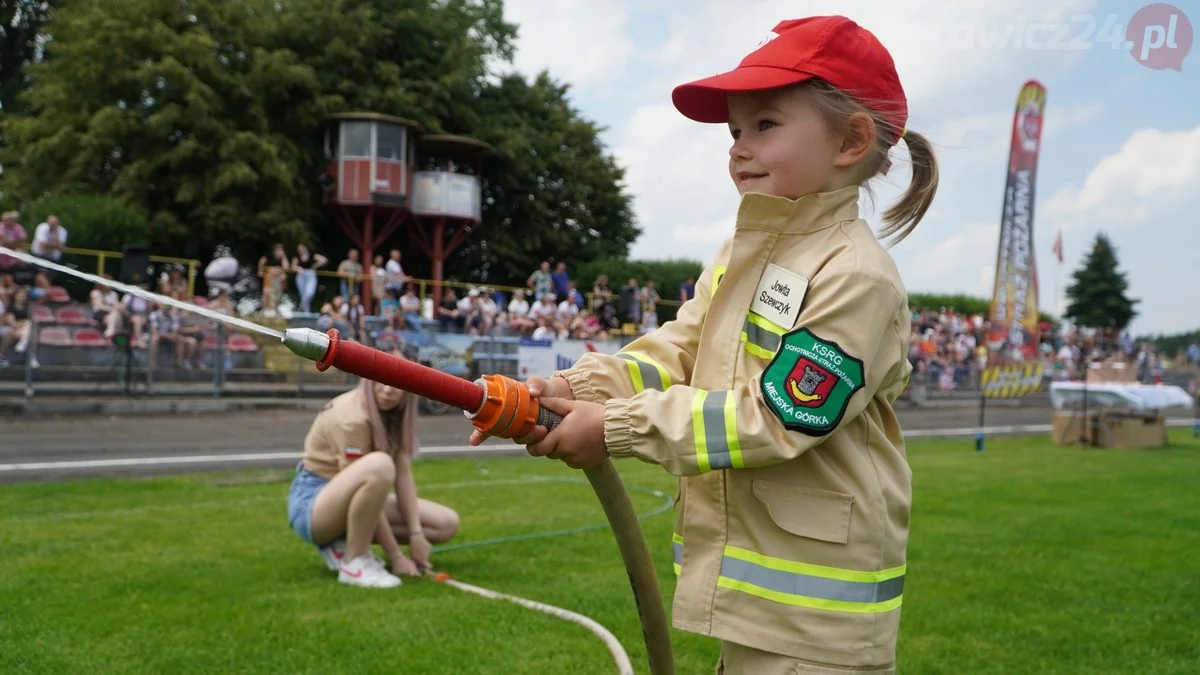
(1120, 152)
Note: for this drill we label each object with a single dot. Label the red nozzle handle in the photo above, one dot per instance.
(379, 366)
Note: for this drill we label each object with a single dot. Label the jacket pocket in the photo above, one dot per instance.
(807, 512)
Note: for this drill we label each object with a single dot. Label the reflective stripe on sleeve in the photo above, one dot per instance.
(718, 274)
(811, 586)
(762, 337)
(714, 429)
(645, 372)
(677, 552)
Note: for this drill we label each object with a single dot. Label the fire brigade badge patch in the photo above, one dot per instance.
(809, 383)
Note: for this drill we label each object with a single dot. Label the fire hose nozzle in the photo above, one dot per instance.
(306, 343)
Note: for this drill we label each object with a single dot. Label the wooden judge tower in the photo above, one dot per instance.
(447, 197)
(381, 172)
(368, 179)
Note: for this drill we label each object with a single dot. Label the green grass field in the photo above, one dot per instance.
(1027, 558)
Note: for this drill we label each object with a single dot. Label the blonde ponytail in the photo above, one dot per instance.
(838, 107)
(903, 216)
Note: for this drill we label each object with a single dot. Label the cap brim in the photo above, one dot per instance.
(707, 100)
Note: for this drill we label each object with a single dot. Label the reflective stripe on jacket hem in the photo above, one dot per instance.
(803, 584)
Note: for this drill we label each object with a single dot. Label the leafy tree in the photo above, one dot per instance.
(1096, 297)
(21, 25)
(551, 190)
(964, 304)
(207, 115)
(1173, 343)
(666, 274)
(183, 109)
(551, 194)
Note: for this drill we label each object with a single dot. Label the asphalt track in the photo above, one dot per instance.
(93, 446)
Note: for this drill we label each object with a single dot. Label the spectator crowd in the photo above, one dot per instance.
(25, 288)
(949, 351)
(947, 348)
(22, 288)
(551, 306)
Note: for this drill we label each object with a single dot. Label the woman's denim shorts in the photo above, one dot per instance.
(301, 496)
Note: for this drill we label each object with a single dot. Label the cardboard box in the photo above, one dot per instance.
(1110, 429)
(1112, 370)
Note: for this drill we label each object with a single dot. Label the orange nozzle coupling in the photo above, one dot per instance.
(507, 411)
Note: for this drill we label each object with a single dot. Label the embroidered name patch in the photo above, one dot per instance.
(779, 295)
(809, 383)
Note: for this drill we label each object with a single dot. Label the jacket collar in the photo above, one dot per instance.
(809, 213)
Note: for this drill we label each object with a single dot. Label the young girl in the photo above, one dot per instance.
(360, 446)
(771, 393)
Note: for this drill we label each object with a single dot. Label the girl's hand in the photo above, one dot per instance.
(402, 566)
(579, 439)
(420, 548)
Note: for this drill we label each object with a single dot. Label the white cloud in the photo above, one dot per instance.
(1153, 171)
(677, 174)
(968, 257)
(985, 137)
(677, 168)
(583, 43)
(713, 35)
(710, 233)
(1142, 196)
(961, 95)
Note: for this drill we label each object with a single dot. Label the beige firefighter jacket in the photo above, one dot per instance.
(770, 396)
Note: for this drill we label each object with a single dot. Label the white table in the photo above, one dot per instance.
(1131, 396)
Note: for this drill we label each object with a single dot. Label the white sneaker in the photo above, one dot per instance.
(366, 571)
(333, 553)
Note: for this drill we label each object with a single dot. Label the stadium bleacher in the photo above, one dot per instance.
(69, 336)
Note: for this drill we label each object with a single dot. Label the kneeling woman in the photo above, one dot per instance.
(360, 446)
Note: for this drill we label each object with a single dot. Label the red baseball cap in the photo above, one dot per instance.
(832, 48)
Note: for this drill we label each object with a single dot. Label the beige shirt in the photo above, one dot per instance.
(342, 432)
(771, 397)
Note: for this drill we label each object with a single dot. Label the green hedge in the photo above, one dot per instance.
(666, 274)
(92, 221)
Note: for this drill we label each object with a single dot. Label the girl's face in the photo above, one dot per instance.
(387, 397)
(781, 145)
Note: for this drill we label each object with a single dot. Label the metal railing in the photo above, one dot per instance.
(423, 286)
(97, 262)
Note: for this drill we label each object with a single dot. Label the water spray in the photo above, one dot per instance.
(143, 293)
(496, 405)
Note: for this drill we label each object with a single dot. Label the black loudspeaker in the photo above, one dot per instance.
(135, 264)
